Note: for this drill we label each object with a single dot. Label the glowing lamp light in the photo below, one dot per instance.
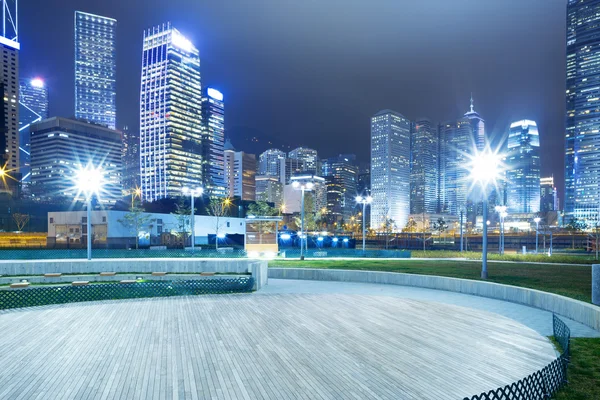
(320, 238)
(286, 236)
(194, 192)
(37, 83)
(89, 180)
(2, 172)
(324, 233)
(485, 167)
(221, 236)
(295, 184)
(345, 240)
(310, 185)
(334, 240)
(215, 94)
(537, 220)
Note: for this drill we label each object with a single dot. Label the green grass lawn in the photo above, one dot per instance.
(567, 280)
(560, 258)
(583, 373)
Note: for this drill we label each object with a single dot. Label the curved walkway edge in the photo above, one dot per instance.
(585, 313)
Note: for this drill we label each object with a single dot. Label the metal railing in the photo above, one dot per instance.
(56, 254)
(40, 296)
(542, 384)
(350, 253)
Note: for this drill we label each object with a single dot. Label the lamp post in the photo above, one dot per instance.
(537, 227)
(303, 187)
(193, 193)
(484, 169)
(364, 201)
(89, 181)
(501, 210)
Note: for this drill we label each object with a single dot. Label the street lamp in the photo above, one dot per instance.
(501, 210)
(192, 193)
(537, 227)
(302, 186)
(89, 181)
(484, 170)
(364, 201)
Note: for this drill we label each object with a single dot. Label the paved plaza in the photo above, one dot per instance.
(271, 345)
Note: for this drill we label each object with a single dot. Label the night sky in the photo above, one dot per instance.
(313, 72)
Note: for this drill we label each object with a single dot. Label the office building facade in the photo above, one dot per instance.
(213, 118)
(424, 168)
(548, 195)
(523, 168)
(308, 157)
(61, 146)
(9, 144)
(269, 189)
(344, 171)
(582, 137)
(240, 173)
(130, 177)
(272, 163)
(33, 107)
(390, 169)
(96, 69)
(170, 114)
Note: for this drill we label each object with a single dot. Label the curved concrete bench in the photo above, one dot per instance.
(585, 313)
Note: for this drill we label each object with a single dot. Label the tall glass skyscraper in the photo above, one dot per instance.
(523, 168)
(390, 169)
(309, 158)
(459, 139)
(478, 126)
(170, 114)
(344, 173)
(9, 82)
(582, 144)
(271, 162)
(33, 107)
(95, 69)
(213, 117)
(424, 168)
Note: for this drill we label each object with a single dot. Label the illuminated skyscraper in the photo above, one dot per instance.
(309, 158)
(582, 144)
(130, 177)
(9, 143)
(523, 168)
(478, 127)
(95, 69)
(390, 169)
(170, 114)
(343, 184)
(240, 172)
(548, 195)
(272, 163)
(459, 144)
(213, 117)
(424, 168)
(33, 107)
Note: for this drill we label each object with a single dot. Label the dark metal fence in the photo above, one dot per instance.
(542, 384)
(55, 254)
(39, 296)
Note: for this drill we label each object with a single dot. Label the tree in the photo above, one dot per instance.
(218, 207)
(136, 219)
(574, 226)
(311, 217)
(262, 209)
(182, 214)
(388, 226)
(440, 225)
(21, 220)
(411, 226)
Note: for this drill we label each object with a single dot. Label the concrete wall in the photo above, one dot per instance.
(585, 313)
(258, 268)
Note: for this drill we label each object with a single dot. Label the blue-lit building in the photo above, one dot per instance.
(582, 144)
(478, 127)
(33, 107)
(170, 114)
(390, 169)
(95, 69)
(271, 162)
(213, 118)
(341, 175)
(424, 168)
(522, 165)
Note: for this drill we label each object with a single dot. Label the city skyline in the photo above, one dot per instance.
(497, 101)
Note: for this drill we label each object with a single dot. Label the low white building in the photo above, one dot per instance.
(115, 229)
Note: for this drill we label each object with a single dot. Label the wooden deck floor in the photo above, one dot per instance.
(279, 346)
